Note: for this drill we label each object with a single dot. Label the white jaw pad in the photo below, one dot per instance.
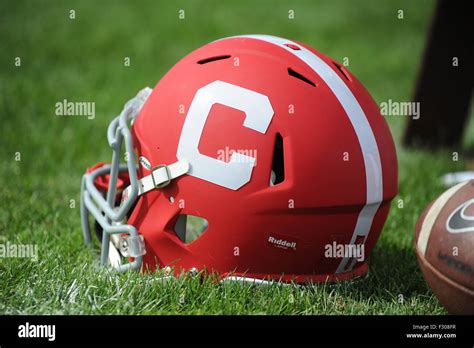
(115, 259)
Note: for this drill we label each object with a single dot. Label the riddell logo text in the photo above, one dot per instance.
(281, 243)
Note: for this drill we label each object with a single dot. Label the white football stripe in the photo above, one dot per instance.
(432, 215)
(368, 144)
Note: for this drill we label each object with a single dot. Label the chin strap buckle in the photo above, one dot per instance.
(160, 177)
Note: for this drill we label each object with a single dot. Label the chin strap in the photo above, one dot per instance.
(132, 246)
(160, 177)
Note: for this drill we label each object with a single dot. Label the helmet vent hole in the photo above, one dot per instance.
(293, 73)
(188, 228)
(277, 174)
(212, 59)
(342, 70)
(292, 46)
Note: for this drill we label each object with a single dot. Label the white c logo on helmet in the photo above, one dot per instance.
(258, 115)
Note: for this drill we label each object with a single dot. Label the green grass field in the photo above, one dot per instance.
(83, 59)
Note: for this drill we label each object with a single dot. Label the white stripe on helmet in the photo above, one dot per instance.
(368, 144)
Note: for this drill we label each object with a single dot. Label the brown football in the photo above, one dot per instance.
(444, 242)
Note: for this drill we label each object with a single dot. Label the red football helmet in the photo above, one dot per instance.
(259, 158)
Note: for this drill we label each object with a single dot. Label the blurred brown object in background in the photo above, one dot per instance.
(444, 83)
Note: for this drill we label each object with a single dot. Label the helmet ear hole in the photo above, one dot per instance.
(188, 228)
(277, 173)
